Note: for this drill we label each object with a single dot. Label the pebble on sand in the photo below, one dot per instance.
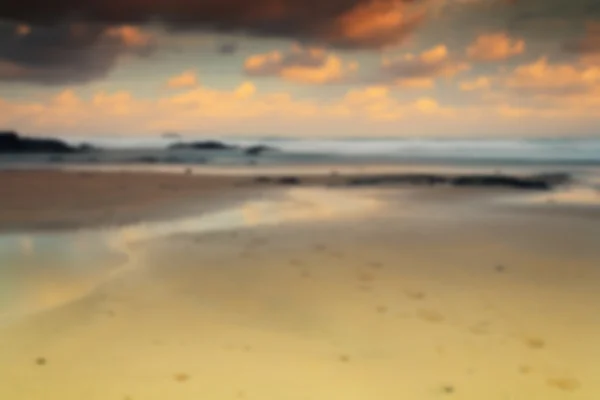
(565, 384)
(430, 315)
(448, 389)
(535, 343)
(415, 294)
(181, 377)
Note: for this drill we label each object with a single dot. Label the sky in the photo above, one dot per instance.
(303, 68)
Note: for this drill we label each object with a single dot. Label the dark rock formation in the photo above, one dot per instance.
(501, 181)
(12, 143)
(207, 145)
(87, 148)
(258, 150)
(554, 179)
(535, 182)
(413, 179)
(263, 179)
(289, 180)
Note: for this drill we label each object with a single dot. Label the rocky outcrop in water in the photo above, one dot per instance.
(258, 150)
(535, 182)
(289, 180)
(13, 143)
(205, 145)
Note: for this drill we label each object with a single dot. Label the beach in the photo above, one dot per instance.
(148, 286)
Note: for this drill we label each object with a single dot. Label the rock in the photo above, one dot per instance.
(412, 179)
(289, 180)
(206, 145)
(554, 179)
(147, 160)
(501, 181)
(87, 148)
(535, 182)
(12, 143)
(258, 150)
(263, 179)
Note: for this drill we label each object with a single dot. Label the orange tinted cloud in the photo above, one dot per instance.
(541, 78)
(130, 36)
(376, 24)
(477, 84)
(421, 70)
(495, 47)
(208, 109)
(303, 65)
(186, 79)
(23, 30)
(376, 103)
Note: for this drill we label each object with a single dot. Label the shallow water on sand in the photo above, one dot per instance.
(42, 270)
(329, 294)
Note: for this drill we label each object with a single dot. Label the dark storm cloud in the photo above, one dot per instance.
(549, 17)
(47, 49)
(347, 23)
(73, 53)
(588, 43)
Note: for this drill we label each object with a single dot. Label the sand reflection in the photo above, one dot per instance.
(45, 270)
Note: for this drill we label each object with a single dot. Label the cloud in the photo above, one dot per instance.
(186, 79)
(22, 30)
(542, 79)
(495, 47)
(375, 110)
(375, 103)
(302, 65)
(227, 48)
(197, 108)
(73, 53)
(203, 109)
(77, 41)
(529, 16)
(481, 82)
(543, 89)
(420, 70)
(375, 24)
(589, 44)
(344, 23)
(130, 36)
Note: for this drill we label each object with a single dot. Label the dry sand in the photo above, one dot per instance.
(404, 294)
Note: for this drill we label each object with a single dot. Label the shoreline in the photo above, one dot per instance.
(70, 199)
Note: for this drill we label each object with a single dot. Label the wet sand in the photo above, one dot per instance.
(54, 199)
(404, 294)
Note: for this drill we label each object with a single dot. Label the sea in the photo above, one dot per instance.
(290, 151)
